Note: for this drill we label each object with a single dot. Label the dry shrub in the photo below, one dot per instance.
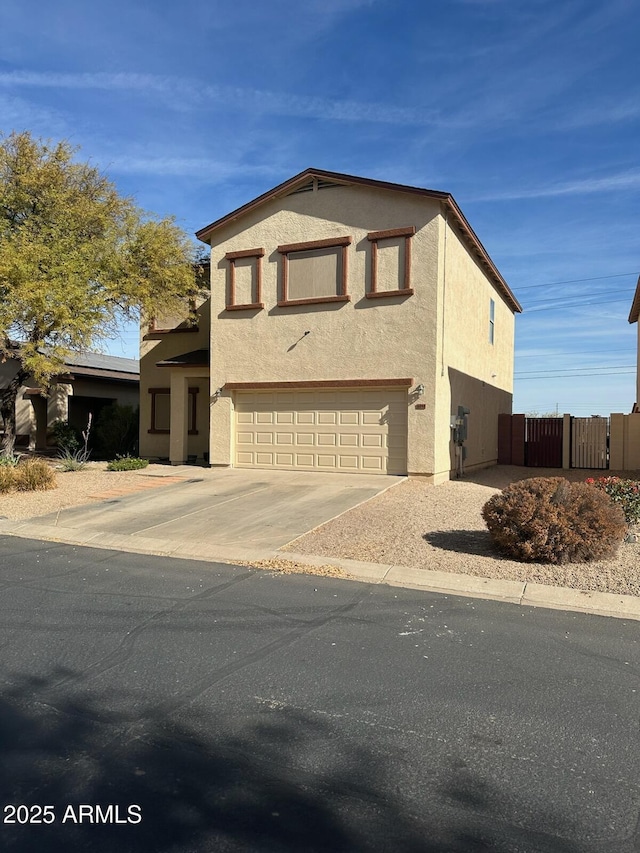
(34, 475)
(550, 520)
(7, 478)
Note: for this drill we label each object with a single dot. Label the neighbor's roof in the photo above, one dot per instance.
(457, 217)
(89, 363)
(99, 361)
(635, 308)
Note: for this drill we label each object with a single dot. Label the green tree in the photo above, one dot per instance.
(76, 259)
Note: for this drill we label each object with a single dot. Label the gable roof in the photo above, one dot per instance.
(634, 314)
(304, 180)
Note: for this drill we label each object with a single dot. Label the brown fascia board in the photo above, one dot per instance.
(634, 314)
(446, 199)
(96, 373)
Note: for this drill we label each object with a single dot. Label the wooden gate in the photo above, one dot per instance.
(538, 442)
(543, 442)
(589, 442)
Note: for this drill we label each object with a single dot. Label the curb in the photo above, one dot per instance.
(512, 592)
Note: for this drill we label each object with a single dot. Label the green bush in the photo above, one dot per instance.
(625, 493)
(127, 463)
(116, 431)
(550, 520)
(34, 475)
(65, 436)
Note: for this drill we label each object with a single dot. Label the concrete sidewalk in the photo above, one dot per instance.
(514, 592)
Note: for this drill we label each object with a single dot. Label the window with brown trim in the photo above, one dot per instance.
(315, 271)
(161, 411)
(172, 323)
(244, 290)
(390, 262)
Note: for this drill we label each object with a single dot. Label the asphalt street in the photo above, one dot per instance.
(163, 705)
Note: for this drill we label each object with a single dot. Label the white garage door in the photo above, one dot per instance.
(356, 430)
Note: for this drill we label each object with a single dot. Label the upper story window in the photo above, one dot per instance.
(177, 321)
(244, 291)
(314, 272)
(390, 262)
(492, 320)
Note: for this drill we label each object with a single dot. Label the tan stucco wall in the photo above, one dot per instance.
(637, 400)
(166, 346)
(361, 339)
(464, 349)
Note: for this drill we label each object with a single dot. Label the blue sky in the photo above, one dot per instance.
(527, 111)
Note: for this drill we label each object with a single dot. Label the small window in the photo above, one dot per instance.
(492, 320)
(244, 290)
(390, 262)
(315, 271)
(161, 410)
(169, 323)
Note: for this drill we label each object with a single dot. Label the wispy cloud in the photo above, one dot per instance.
(206, 170)
(180, 90)
(629, 180)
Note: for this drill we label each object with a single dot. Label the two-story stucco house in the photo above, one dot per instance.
(348, 321)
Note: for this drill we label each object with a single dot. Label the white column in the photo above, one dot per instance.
(179, 423)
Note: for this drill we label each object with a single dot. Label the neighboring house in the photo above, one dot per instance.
(91, 382)
(634, 315)
(348, 321)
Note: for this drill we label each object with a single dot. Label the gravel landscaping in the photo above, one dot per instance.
(440, 527)
(75, 488)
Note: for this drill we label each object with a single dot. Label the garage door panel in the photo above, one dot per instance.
(304, 438)
(305, 460)
(349, 418)
(325, 461)
(372, 440)
(327, 439)
(330, 418)
(336, 430)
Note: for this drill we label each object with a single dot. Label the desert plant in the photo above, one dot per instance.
(9, 460)
(7, 478)
(625, 493)
(65, 436)
(127, 463)
(72, 461)
(550, 520)
(34, 475)
(76, 460)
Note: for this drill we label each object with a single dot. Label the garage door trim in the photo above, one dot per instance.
(318, 383)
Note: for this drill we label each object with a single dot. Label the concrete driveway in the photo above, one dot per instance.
(220, 509)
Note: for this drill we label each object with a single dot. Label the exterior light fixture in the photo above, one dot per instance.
(419, 390)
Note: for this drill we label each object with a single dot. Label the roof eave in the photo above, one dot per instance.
(634, 314)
